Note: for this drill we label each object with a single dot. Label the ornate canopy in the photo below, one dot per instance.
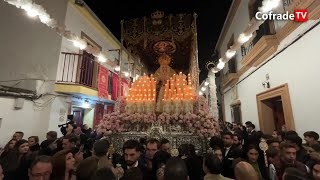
(172, 35)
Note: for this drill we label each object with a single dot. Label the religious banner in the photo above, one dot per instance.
(115, 82)
(103, 82)
(98, 114)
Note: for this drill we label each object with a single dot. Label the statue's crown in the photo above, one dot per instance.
(164, 59)
(157, 15)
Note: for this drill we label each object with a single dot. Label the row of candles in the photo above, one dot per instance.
(178, 88)
(143, 90)
(142, 95)
(178, 94)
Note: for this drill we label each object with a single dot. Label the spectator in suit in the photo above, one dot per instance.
(230, 152)
(132, 152)
(251, 129)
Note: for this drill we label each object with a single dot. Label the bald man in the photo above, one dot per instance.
(244, 170)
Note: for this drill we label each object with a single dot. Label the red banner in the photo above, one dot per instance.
(103, 83)
(98, 114)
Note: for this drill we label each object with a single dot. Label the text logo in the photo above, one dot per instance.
(301, 15)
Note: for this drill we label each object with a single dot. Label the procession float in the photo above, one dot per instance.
(165, 102)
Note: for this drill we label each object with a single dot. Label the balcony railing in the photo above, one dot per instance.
(78, 69)
(264, 29)
(286, 4)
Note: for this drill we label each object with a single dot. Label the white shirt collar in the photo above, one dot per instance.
(135, 165)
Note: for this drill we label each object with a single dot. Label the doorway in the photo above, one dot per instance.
(78, 114)
(274, 109)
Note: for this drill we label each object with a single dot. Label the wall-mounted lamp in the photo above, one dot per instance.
(85, 104)
(117, 68)
(266, 83)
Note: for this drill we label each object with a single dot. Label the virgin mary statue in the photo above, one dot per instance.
(163, 73)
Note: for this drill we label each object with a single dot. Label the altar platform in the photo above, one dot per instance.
(176, 138)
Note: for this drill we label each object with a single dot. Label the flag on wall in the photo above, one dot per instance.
(98, 114)
(103, 82)
(115, 83)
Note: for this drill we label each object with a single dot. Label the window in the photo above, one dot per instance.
(236, 113)
(88, 66)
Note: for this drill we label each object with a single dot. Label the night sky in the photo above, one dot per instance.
(211, 16)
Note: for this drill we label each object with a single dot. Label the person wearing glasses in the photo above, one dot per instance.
(41, 168)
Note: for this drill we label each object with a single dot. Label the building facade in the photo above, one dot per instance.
(44, 77)
(271, 81)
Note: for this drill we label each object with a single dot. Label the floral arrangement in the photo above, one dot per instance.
(200, 104)
(200, 122)
(120, 122)
(121, 104)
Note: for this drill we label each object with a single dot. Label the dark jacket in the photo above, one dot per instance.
(283, 165)
(34, 148)
(147, 174)
(194, 166)
(227, 169)
(302, 155)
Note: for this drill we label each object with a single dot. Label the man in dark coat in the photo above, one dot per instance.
(230, 152)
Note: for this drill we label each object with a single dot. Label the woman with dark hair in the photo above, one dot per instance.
(252, 157)
(34, 143)
(16, 163)
(216, 141)
(7, 148)
(194, 163)
(63, 165)
(158, 162)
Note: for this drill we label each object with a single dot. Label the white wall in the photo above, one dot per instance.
(15, 120)
(29, 49)
(299, 67)
(88, 117)
(32, 119)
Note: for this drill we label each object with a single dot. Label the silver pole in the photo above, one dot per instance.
(120, 60)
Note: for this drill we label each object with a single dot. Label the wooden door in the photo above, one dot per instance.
(78, 116)
(279, 120)
(87, 69)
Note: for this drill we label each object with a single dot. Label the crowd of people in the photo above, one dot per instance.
(82, 154)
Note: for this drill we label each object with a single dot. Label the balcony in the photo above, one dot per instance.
(264, 48)
(230, 77)
(229, 80)
(77, 73)
(262, 45)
